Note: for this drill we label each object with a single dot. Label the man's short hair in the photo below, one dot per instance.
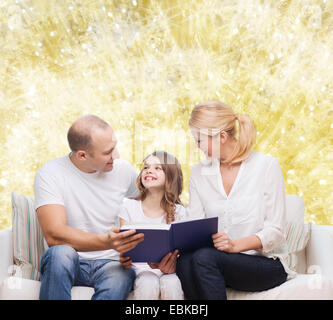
(79, 134)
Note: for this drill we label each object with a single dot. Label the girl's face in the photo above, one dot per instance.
(152, 175)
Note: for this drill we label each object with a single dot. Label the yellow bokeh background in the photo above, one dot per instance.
(143, 65)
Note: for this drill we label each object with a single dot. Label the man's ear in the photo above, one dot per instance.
(81, 155)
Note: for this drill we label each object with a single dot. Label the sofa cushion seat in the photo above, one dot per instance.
(302, 287)
(13, 288)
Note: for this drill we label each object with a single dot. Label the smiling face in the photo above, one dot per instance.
(209, 145)
(102, 152)
(152, 174)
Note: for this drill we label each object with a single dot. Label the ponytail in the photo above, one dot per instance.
(245, 141)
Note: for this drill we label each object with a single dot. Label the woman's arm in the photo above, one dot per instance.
(274, 221)
(273, 232)
(222, 242)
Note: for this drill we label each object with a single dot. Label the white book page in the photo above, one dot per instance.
(146, 226)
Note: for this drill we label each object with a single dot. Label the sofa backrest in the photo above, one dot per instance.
(29, 243)
(295, 208)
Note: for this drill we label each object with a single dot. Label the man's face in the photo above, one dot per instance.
(104, 151)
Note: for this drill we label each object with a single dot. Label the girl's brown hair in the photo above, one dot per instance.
(173, 183)
(216, 116)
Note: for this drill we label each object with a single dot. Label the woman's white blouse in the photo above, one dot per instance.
(256, 203)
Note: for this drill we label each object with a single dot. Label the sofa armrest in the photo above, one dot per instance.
(6, 252)
(319, 251)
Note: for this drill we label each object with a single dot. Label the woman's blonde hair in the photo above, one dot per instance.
(173, 183)
(215, 116)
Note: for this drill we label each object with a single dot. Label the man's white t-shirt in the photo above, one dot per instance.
(92, 200)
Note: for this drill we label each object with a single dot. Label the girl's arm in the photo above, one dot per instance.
(122, 222)
(167, 264)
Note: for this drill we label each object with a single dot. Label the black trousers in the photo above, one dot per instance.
(207, 272)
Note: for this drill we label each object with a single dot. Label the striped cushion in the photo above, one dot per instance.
(28, 240)
(298, 235)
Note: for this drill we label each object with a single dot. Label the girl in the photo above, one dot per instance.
(160, 183)
(245, 189)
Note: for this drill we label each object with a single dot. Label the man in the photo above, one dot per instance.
(77, 199)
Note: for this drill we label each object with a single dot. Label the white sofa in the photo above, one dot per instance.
(314, 267)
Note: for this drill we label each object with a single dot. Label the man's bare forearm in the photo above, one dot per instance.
(84, 241)
(80, 240)
(52, 219)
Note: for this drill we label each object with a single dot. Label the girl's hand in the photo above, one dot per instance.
(153, 265)
(222, 242)
(126, 262)
(167, 264)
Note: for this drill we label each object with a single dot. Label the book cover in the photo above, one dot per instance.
(185, 236)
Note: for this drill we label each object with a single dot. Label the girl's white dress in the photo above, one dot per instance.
(152, 284)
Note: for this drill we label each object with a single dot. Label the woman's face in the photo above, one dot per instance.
(152, 175)
(209, 145)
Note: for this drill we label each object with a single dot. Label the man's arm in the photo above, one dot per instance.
(52, 219)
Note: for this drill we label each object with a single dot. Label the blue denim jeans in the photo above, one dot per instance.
(206, 273)
(61, 269)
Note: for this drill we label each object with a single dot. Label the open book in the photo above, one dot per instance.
(161, 239)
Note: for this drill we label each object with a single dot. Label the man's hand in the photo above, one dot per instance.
(167, 264)
(222, 242)
(124, 241)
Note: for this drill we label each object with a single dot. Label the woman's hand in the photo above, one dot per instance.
(222, 242)
(167, 264)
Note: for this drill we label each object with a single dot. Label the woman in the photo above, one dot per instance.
(245, 189)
